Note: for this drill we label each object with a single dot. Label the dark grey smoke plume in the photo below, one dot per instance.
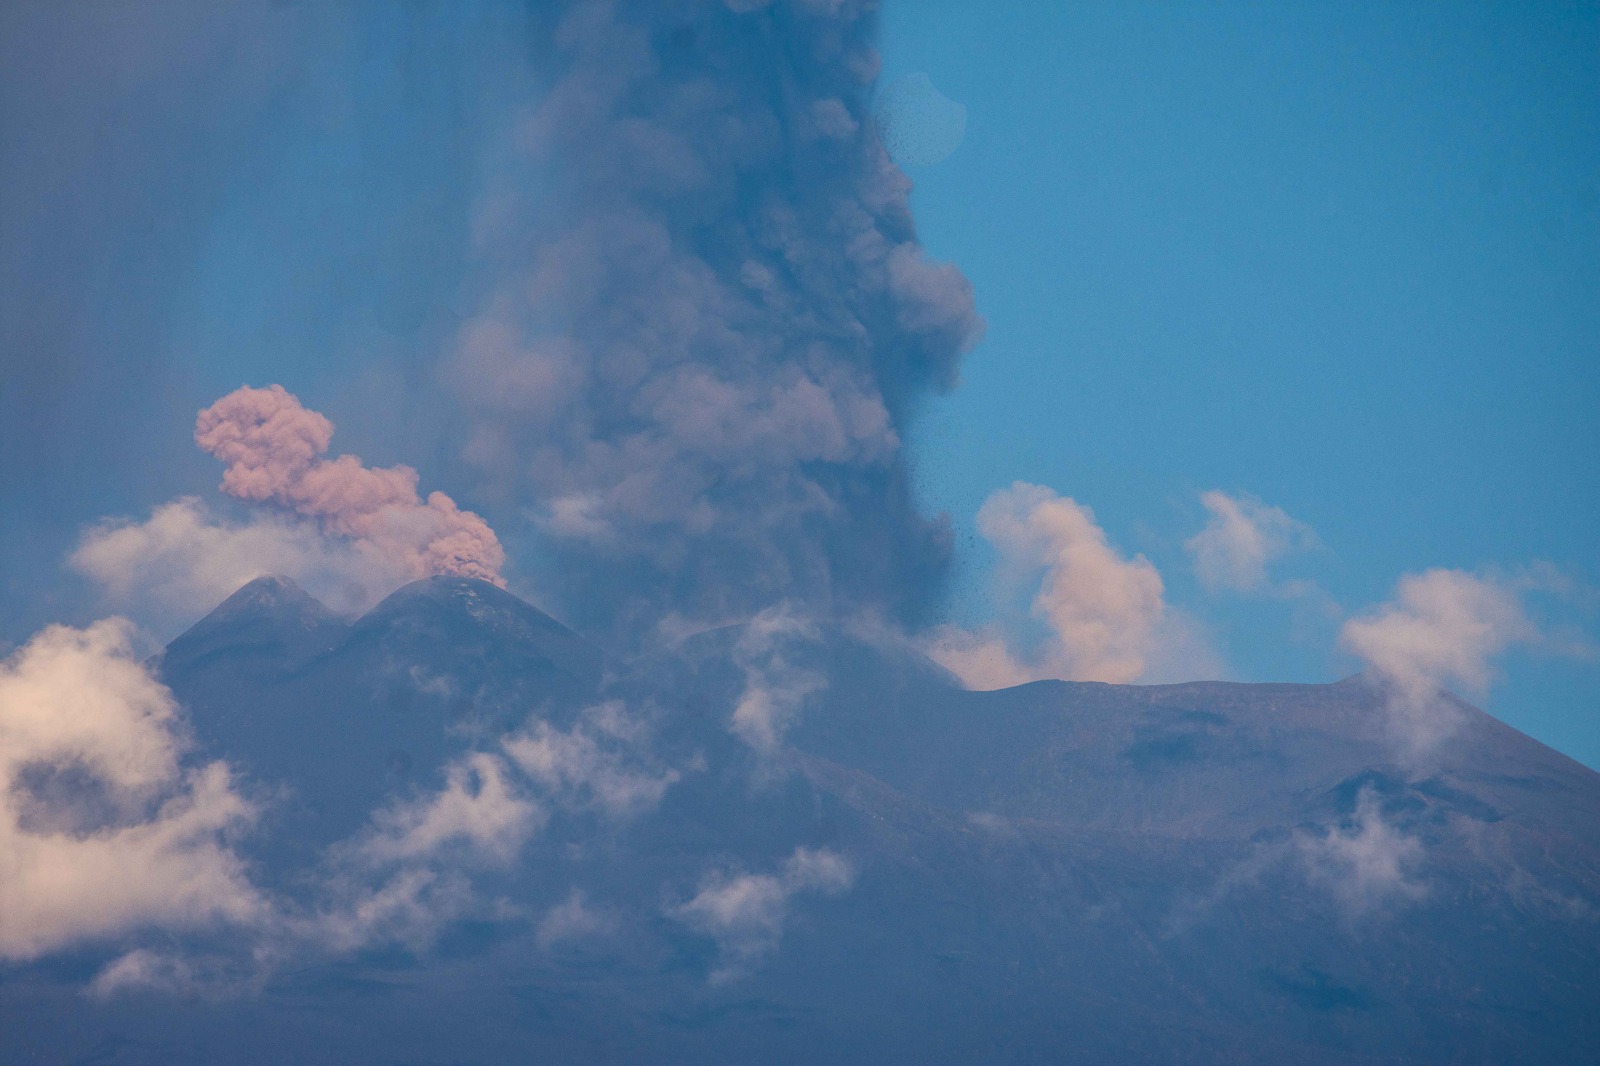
(709, 319)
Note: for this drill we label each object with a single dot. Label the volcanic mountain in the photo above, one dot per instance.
(793, 842)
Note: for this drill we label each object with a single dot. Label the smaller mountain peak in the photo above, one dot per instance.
(463, 612)
(269, 614)
(273, 591)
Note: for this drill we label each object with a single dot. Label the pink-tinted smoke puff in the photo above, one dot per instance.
(273, 447)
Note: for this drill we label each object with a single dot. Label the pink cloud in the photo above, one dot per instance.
(274, 446)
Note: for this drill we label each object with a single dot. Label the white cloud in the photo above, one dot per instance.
(1106, 614)
(482, 815)
(745, 914)
(982, 659)
(143, 968)
(146, 846)
(104, 834)
(1366, 863)
(1103, 609)
(407, 875)
(1443, 627)
(1241, 536)
(183, 560)
(602, 761)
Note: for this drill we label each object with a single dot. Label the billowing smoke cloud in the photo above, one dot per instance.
(745, 913)
(1443, 627)
(348, 532)
(273, 447)
(1241, 536)
(1106, 615)
(102, 831)
(710, 319)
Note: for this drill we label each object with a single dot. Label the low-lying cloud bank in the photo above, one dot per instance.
(107, 833)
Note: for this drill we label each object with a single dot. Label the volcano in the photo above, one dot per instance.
(909, 872)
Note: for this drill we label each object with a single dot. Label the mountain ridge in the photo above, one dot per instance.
(1208, 872)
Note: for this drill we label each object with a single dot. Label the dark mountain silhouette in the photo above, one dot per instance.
(1086, 873)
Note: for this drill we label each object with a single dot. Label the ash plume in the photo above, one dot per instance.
(273, 447)
(349, 532)
(709, 320)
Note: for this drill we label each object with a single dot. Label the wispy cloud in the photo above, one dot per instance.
(574, 919)
(184, 559)
(1368, 862)
(478, 813)
(776, 687)
(1242, 536)
(745, 913)
(603, 761)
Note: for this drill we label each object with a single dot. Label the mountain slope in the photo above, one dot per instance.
(1205, 873)
(345, 714)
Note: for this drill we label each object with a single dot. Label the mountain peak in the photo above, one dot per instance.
(272, 593)
(267, 616)
(448, 594)
(463, 613)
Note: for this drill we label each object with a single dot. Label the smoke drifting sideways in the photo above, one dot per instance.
(706, 322)
(347, 531)
(272, 446)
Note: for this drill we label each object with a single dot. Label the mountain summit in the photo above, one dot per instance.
(271, 619)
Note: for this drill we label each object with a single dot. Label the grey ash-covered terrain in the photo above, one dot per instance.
(1053, 873)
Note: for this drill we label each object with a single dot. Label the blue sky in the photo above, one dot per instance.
(1343, 257)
